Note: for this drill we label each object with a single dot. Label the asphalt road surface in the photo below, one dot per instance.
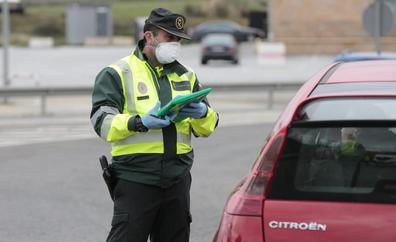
(54, 192)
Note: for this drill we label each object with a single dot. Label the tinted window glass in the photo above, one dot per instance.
(349, 109)
(337, 164)
(355, 87)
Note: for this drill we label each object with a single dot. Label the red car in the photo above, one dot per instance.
(328, 169)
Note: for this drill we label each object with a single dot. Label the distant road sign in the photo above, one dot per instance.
(379, 18)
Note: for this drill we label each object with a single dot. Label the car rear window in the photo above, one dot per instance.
(349, 109)
(219, 38)
(337, 162)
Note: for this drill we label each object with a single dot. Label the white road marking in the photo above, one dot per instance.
(243, 108)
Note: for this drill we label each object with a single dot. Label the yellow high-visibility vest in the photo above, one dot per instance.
(140, 95)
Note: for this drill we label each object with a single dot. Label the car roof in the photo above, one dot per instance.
(228, 22)
(360, 56)
(217, 24)
(361, 71)
(344, 79)
(358, 78)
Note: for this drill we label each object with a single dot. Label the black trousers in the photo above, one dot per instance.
(141, 211)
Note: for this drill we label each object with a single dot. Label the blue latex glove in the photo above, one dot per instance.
(151, 121)
(193, 110)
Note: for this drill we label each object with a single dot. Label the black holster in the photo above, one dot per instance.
(108, 175)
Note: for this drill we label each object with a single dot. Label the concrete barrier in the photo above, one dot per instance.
(41, 42)
(271, 53)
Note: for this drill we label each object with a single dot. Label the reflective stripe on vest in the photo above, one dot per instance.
(102, 110)
(152, 136)
(128, 83)
(145, 144)
(106, 125)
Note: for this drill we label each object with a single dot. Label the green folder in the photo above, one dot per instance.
(179, 102)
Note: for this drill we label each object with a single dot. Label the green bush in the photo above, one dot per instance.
(221, 11)
(123, 28)
(194, 11)
(54, 27)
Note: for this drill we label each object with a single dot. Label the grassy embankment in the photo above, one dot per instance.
(49, 19)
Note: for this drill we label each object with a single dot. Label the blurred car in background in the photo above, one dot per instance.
(362, 56)
(15, 6)
(328, 169)
(138, 25)
(241, 33)
(219, 47)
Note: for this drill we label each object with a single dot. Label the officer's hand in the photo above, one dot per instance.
(193, 110)
(152, 121)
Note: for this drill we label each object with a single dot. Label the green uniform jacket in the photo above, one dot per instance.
(159, 169)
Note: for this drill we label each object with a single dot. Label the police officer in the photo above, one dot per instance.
(151, 156)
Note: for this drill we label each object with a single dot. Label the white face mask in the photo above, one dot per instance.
(167, 52)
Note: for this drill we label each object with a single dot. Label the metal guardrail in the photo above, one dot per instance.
(271, 88)
(44, 92)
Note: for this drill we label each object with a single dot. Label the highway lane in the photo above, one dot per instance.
(54, 192)
(78, 66)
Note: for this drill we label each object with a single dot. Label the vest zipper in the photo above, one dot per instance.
(157, 86)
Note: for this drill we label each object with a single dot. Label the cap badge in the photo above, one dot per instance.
(142, 88)
(179, 23)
